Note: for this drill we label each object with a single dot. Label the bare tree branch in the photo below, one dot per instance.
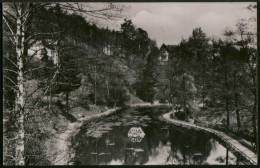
(54, 76)
(98, 13)
(33, 69)
(80, 8)
(9, 14)
(11, 87)
(10, 29)
(38, 34)
(15, 7)
(6, 69)
(10, 80)
(26, 18)
(11, 61)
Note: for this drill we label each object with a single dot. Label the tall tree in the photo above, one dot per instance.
(146, 88)
(200, 51)
(17, 17)
(247, 42)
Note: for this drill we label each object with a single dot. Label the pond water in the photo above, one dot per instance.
(106, 142)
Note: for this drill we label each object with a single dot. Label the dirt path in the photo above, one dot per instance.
(232, 143)
(62, 152)
(148, 105)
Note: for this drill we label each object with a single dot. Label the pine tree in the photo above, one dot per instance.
(146, 88)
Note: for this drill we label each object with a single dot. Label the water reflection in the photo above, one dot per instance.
(106, 142)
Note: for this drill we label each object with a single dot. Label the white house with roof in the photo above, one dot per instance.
(166, 51)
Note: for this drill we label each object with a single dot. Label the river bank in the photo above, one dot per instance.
(62, 152)
(59, 148)
(229, 141)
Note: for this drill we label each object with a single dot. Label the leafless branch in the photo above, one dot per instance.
(12, 41)
(99, 13)
(26, 12)
(54, 76)
(38, 34)
(10, 70)
(33, 69)
(11, 87)
(11, 61)
(10, 29)
(80, 8)
(10, 80)
(9, 15)
(26, 18)
(15, 7)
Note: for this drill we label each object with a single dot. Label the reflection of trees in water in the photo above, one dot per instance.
(193, 147)
(136, 153)
(213, 145)
(226, 156)
(185, 146)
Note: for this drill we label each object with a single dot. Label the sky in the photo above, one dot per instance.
(170, 22)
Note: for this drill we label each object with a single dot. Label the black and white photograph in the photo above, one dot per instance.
(129, 83)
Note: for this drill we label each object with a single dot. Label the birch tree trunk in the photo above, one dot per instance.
(20, 96)
(20, 12)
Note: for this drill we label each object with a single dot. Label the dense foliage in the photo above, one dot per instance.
(209, 77)
(78, 64)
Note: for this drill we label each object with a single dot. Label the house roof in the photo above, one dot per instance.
(169, 48)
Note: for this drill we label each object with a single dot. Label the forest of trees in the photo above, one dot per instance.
(97, 66)
(51, 53)
(216, 76)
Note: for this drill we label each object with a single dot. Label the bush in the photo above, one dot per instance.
(180, 115)
(35, 152)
